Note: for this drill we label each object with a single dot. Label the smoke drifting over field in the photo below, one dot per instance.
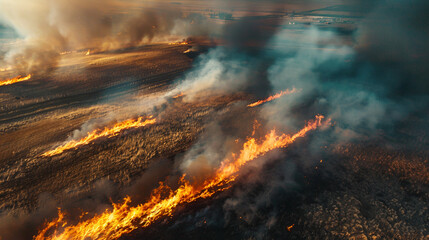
(371, 82)
(374, 82)
(51, 27)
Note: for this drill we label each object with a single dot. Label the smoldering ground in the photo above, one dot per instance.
(21, 225)
(359, 91)
(366, 87)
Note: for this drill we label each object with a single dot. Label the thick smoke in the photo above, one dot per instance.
(240, 64)
(375, 82)
(51, 27)
(372, 83)
(393, 38)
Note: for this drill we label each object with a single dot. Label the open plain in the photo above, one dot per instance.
(265, 121)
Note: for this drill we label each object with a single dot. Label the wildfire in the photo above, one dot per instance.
(123, 219)
(178, 43)
(179, 95)
(106, 132)
(15, 80)
(270, 98)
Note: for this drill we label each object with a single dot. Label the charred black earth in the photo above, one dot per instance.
(362, 175)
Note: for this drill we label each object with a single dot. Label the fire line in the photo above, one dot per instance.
(123, 219)
(179, 95)
(106, 132)
(15, 80)
(178, 43)
(270, 98)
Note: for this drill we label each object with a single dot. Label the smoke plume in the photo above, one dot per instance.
(372, 82)
(375, 81)
(51, 27)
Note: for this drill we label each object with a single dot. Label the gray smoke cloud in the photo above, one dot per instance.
(374, 82)
(51, 27)
(370, 84)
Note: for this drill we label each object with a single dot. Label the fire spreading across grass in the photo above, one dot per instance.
(181, 94)
(123, 219)
(15, 80)
(106, 132)
(270, 98)
(178, 43)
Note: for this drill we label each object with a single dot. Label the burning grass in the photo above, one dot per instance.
(123, 219)
(15, 80)
(106, 132)
(179, 43)
(270, 98)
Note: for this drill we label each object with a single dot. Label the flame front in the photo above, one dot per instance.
(181, 94)
(15, 80)
(123, 219)
(270, 98)
(106, 132)
(178, 43)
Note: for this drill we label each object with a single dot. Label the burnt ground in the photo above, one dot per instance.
(373, 189)
(38, 114)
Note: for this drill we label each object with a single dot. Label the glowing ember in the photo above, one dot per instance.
(289, 228)
(54, 223)
(256, 125)
(106, 132)
(178, 43)
(179, 95)
(123, 219)
(88, 52)
(15, 80)
(278, 95)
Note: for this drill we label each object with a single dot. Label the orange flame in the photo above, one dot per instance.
(88, 52)
(54, 223)
(178, 43)
(179, 95)
(106, 132)
(123, 219)
(289, 228)
(256, 125)
(15, 80)
(278, 95)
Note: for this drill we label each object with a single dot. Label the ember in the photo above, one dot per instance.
(106, 132)
(124, 219)
(278, 95)
(15, 80)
